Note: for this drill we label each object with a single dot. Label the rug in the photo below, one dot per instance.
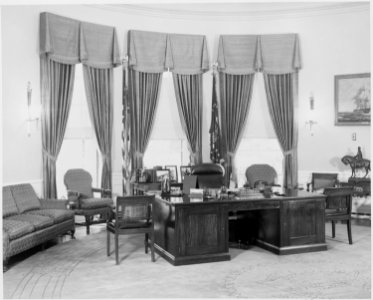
(80, 269)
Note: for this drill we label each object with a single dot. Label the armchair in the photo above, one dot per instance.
(260, 174)
(322, 180)
(78, 183)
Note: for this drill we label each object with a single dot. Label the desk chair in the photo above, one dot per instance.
(209, 175)
(338, 207)
(322, 180)
(260, 173)
(78, 183)
(133, 215)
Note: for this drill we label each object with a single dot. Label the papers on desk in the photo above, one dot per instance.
(154, 192)
(196, 195)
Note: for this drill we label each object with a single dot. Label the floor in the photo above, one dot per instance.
(80, 269)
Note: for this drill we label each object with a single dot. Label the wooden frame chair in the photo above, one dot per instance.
(260, 173)
(80, 193)
(133, 215)
(322, 180)
(338, 207)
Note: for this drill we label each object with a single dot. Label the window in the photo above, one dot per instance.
(259, 144)
(79, 148)
(167, 143)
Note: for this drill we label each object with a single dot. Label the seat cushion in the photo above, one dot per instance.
(95, 202)
(25, 197)
(9, 205)
(39, 222)
(58, 215)
(16, 229)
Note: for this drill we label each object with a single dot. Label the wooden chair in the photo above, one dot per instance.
(260, 173)
(338, 207)
(78, 183)
(322, 180)
(133, 215)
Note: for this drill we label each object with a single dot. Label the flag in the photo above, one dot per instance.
(214, 127)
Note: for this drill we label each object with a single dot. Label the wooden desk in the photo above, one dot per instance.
(194, 232)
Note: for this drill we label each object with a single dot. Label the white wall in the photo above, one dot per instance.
(331, 44)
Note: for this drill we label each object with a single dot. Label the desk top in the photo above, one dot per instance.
(286, 194)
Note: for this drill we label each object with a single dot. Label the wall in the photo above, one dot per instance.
(331, 44)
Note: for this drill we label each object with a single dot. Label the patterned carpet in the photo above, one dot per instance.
(80, 269)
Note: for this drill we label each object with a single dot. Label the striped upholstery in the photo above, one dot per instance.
(95, 202)
(57, 215)
(5, 243)
(9, 205)
(25, 197)
(39, 222)
(79, 180)
(17, 228)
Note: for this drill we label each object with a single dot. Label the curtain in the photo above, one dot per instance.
(235, 96)
(99, 90)
(188, 90)
(143, 94)
(57, 80)
(281, 97)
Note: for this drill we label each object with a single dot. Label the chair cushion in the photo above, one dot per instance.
(5, 243)
(39, 222)
(9, 205)
(25, 197)
(16, 229)
(95, 202)
(58, 215)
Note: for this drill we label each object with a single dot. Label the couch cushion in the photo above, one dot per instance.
(95, 202)
(5, 243)
(16, 228)
(39, 222)
(9, 205)
(25, 197)
(58, 215)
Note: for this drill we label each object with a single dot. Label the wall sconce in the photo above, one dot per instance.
(311, 113)
(32, 110)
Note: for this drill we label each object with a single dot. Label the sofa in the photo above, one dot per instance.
(29, 221)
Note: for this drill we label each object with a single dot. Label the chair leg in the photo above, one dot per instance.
(72, 232)
(333, 229)
(87, 223)
(349, 231)
(146, 242)
(116, 249)
(107, 242)
(152, 247)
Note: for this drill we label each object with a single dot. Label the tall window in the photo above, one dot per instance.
(167, 144)
(79, 148)
(259, 144)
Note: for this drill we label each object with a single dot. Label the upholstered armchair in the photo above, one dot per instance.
(260, 173)
(80, 193)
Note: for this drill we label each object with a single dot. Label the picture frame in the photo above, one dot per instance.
(185, 170)
(161, 174)
(173, 173)
(352, 97)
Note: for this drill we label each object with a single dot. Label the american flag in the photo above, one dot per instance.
(214, 127)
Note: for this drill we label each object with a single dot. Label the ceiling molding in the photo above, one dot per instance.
(237, 11)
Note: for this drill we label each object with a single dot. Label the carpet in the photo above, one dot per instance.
(80, 269)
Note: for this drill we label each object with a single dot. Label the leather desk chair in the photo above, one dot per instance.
(209, 175)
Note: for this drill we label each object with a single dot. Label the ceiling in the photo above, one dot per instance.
(236, 9)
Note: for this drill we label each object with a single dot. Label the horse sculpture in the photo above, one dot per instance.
(356, 164)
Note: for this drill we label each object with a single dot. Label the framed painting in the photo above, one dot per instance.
(185, 170)
(352, 99)
(173, 173)
(162, 175)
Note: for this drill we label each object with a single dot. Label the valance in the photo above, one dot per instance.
(98, 46)
(59, 38)
(279, 53)
(69, 41)
(187, 54)
(147, 51)
(237, 54)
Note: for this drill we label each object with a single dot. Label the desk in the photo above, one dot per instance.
(189, 232)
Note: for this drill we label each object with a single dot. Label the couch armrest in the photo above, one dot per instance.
(53, 203)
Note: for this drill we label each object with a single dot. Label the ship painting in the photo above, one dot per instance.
(353, 99)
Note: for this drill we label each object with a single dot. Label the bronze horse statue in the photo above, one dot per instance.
(356, 164)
